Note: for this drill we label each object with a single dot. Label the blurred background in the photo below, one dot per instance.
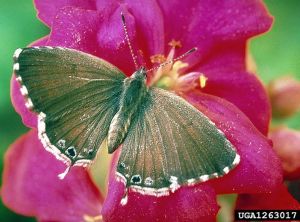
(275, 54)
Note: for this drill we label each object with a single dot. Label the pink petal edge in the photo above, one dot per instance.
(47, 9)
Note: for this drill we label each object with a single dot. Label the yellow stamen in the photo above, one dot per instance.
(179, 65)
(88, 218)
(203, 79)
(158, 58)
(175, 44)
(167, 78)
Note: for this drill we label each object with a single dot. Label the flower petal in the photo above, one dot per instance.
(76, 28)
(227, 78)
(140, 16)
(29, 118)
(205, 24)
(150, 28)
(47, 9)
(101, 32)
(277, 200)
(286, 143)
(258, 160)
(88, 31)
(186, 204)
(115, 49)
(31, 186)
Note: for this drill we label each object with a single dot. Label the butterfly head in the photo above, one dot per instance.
(140, 74)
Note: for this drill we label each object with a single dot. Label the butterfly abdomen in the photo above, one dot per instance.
(134, 90)
(117, 131)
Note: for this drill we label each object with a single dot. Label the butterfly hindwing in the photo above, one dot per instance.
(171, 143)
(75, 94)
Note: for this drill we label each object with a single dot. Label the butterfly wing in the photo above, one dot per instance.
(171, 143)
(76, 96)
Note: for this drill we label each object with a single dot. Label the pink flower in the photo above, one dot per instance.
(237, 103)
(218, 29)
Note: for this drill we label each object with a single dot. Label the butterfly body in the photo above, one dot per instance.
(134, 91)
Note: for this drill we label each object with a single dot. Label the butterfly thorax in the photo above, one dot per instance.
(134, 91)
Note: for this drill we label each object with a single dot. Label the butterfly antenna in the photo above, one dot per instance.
(174, 60)
(128, 42)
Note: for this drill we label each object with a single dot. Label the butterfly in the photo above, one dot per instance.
(83, 101)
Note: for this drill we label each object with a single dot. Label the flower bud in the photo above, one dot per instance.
(286, 143)
(285, 96)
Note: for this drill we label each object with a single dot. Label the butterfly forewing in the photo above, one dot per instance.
(75, 94)
(171, 143)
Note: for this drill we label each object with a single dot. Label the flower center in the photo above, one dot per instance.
(171, 76)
